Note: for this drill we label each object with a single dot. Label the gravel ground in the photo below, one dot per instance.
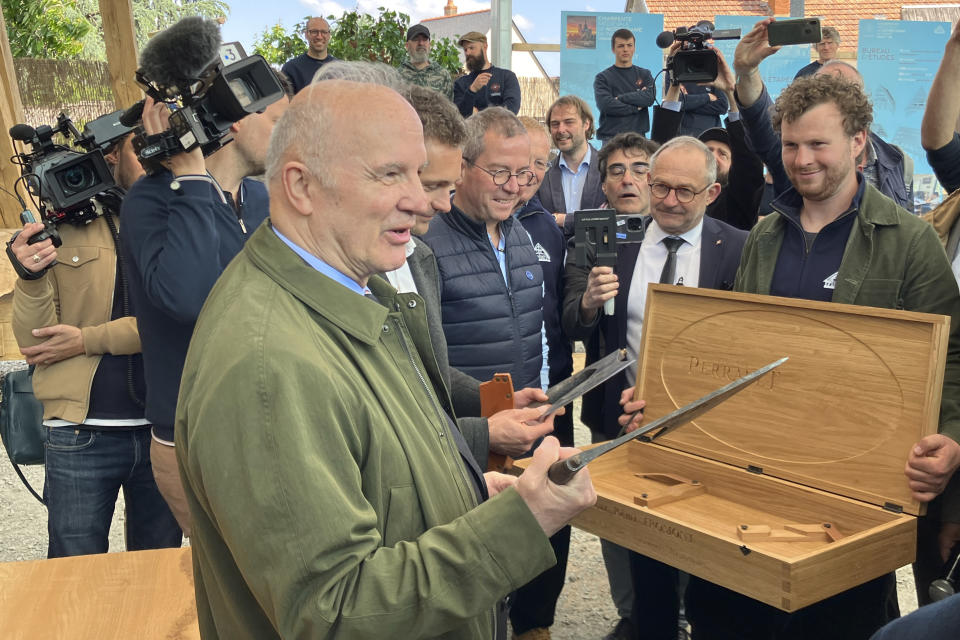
(585, 611)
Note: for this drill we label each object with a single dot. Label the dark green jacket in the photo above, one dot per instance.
(893, 260)
(329, 499)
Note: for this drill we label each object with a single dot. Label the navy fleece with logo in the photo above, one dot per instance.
(503, 90)
(550, 247)
(807, 266)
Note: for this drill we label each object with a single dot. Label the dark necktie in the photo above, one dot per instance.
(669, 273)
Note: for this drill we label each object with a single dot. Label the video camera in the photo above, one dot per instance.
(68, 184)
(695, 61)
(181, 67)
(65, 181)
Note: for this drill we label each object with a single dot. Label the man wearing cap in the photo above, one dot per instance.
(300, 70)
(826, 49)
(485, 85)
(418, 69)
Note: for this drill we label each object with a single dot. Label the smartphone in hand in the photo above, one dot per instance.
(795, 31)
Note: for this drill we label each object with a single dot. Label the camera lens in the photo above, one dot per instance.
(78, 178)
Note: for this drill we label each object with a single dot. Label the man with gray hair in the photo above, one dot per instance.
(680, 246)
(491, 283)
(826, 50)
(351, 507)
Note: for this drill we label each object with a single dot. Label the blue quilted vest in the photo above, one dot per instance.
(490, 327)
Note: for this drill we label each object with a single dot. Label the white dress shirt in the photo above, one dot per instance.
(402, 278)
(649, 266)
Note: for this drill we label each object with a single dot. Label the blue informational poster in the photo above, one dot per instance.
(779, 69)
(898, 60)
(585, 48)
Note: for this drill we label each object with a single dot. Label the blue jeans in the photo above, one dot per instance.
(85, 469)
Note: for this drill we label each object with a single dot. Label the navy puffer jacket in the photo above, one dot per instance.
(490, 328)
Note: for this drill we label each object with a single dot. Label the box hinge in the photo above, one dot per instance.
(889, 506)
(753, 469)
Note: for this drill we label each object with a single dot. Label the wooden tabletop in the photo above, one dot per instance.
(135, 594)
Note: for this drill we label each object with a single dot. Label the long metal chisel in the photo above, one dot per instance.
(562, 471)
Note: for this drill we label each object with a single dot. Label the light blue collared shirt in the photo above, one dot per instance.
(573, 181)
(322, 266)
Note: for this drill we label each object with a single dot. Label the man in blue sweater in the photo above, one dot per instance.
(485, 85)
(182, 226)
(624, 91)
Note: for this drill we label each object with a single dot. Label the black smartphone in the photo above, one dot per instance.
(796, 31)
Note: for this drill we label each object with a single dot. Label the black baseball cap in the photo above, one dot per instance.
(717, 134)
(417, 30)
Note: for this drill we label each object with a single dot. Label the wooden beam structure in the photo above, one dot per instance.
(529, 46)
(11, 113)
(120, 38)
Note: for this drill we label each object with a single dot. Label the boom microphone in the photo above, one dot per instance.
(22, 132)
(665, 39)
(177, 56)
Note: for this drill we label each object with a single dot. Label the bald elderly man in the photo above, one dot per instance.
(332, 495)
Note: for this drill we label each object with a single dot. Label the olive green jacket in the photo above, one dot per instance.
(893, 260)
(328, 498)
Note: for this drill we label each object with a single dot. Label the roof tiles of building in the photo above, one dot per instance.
(845, 15)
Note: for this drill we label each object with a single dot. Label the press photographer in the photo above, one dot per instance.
(191, 215)
(74, 321)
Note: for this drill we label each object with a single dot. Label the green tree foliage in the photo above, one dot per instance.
(277, 45)
(44, 28)
(149, 16)
(357, 36)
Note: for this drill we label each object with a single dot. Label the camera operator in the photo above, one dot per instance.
(182, 227)
(739, 170)
(76, 324)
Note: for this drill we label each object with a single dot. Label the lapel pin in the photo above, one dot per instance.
(719, 241)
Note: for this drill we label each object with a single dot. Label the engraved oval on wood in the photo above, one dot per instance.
(815, 397)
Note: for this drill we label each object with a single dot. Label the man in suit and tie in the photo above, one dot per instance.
(573, 182)
(680, 246)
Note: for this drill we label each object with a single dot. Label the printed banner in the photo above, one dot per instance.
(898, 59)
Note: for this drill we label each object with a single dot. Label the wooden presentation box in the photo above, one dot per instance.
(793, 490)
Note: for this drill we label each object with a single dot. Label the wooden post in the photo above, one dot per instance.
(11, 113)
(120, 39)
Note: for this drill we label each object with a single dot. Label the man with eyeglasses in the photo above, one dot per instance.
(300, 70)
(681, 246)
(535, 603)
(491, 282)
(573, 182)
(826, 50)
